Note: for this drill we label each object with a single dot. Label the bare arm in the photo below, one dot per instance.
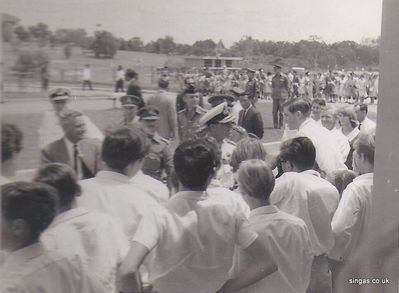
(127, 272)
(262, 265)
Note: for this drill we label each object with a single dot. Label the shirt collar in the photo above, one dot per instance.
(67, 215)
(23, 255)
(365, 176)
(196, 195)
(113, 176)
(270, 209)
(306, 122)
(311, 172)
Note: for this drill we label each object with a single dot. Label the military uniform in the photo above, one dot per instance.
(159, 158)
(280, 93)
(189, 122)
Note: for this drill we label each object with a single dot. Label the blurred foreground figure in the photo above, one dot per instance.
(27, 209)
(11, 144)
(50, 129)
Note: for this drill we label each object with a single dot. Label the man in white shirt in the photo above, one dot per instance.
(301, 192)
(26, 211)
(329, 120)
(286, 235)
(366, 125)
(111, 191)
(95, 237)
(119, 80)
(328, 156)
(190, 243)
(86, 76)
(353, 212)
(11, 145)
(155, 188)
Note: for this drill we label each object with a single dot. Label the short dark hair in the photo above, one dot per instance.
(124, 145)
(130, 73)
(302, 105)
(319, 101)
(195, 162)
(300, 151)
(365, 145)
(11, 141)
(163, 83)
(33, 202)
(63, 178)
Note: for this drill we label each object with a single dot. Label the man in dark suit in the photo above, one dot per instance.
(82, 154)
(133, 88)
(249, 118)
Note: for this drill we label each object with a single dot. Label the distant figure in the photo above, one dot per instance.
(44, 76)
(280, 93)
(167, 122)
(87, 77)
(120, 79)
(132, 87)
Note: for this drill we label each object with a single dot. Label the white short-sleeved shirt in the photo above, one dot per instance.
(151, 186)
(311, 198)
(50, 129)
(342, 141)
(287, 237)
(113, 194)
(328, 155)
(96, 238)
(34, 269)
(193, 240)
(352, 216)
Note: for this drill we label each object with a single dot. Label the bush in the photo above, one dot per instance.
(28, 62)
(104, 44)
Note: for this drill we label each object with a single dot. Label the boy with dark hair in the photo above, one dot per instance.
(192, 239)
(96, 238)
(301, 192)
(27, 209)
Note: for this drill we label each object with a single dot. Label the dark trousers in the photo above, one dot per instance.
(119, 86)
(278, 113)
(88, 83)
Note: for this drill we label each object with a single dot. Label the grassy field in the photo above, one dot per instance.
(29, 124)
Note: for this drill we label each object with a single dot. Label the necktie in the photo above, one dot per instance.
(75, 158)
(360, 124)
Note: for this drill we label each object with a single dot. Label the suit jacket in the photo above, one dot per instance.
(90, 154)
(251, 121)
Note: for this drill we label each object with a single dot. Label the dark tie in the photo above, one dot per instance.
(360, 124)
(75, 158)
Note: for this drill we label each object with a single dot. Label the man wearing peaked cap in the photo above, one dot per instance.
(218, 124)
(159, 160)
(130, 105)
(188, 118)
(280, 93)
(50, 129)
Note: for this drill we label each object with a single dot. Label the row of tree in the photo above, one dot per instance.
(312, 53)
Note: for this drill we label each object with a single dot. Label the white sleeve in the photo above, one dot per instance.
(150, 229)
(245, 235)
(344, 221)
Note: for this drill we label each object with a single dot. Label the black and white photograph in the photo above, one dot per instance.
(199, 146)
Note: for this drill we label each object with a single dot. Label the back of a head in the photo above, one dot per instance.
(123, 146)
(247, 148)
(163, 83)
(319, 101)
(63, 178)
(300, 151)
(256, 179)
(11, 141)
(195, 161)
(302, 105)
(341, 179)
(365, 145)
(131, 74)
(34, 203)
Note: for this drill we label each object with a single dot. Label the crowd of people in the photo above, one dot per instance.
(121, 210)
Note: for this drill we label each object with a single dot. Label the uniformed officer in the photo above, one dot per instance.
(130, 106)
(218, 123)
(280, 93)
(188, 117)
(159, 160)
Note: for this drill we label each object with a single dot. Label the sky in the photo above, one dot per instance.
(190, 20)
